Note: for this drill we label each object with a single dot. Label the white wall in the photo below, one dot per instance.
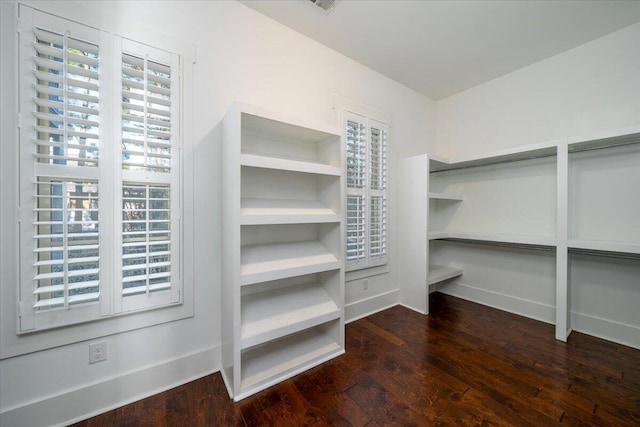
(591, 88)
(241, 56)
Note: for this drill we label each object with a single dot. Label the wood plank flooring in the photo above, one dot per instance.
(464, 364)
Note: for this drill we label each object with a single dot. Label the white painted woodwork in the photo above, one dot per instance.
(260, 263)
(440, 273)
(528, 223)
(268, 364)
(275, 211)
(283, 232)
(445, 196)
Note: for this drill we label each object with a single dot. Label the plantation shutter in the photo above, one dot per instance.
(60, 145)
(377, 192)
(366, 148)
(356, 229)
(150, 196)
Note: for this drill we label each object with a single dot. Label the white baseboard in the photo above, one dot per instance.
(368, 306)
(523, 307)
(610, 330)
(93, 399)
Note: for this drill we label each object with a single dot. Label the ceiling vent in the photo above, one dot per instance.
(326, 5)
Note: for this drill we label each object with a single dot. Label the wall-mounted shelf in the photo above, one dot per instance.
(440, 273)
(604, 246)
(283, 240)
(445, 196)
(534, 241)
(571, 197)
(614, 138)
(546, 149)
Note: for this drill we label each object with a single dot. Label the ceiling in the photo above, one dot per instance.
(439, 48)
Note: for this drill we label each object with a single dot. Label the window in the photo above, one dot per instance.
(366, 141)
(99, 174)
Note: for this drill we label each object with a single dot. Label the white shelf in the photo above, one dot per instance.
(544, 149)
(445, 196)
(605, 246)
(439, 273)
(262, 263)
(274, 313)
(267, 162)
(498, 238)
(435, 235)
(270, 211)
(626, 136)
(271, 363)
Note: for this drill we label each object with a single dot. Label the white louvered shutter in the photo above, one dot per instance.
(60, 146)
(377, 192)
(356, 229)
(366, 142)
(150, 176)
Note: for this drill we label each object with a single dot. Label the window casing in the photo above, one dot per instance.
(100, 190)
(366, 229)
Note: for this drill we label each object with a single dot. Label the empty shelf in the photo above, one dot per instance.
(545, 149)
(261, 263)
(270, 363)
(445, 196)
(539, 241)
(614, 138)
(275, 313)
(438, 273)
(270, 211)
(267, 162)
(605, 246)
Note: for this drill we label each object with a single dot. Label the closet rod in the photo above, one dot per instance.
(526, 246)
(494, 162)
(605, 254)
(604, 147)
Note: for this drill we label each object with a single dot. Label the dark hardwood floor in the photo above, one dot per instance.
(464, 364)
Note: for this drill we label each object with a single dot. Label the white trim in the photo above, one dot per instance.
(520, 306)
(607, 329)
(92, 399)
(368, 306)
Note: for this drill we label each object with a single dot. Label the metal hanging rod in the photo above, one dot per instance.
(605, 254)
(532, 247)
(494, 162)
(578, 149)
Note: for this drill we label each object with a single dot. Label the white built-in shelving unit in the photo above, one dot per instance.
(283, 244)
(575, 198)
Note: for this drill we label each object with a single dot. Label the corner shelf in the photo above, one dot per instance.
(440, 273)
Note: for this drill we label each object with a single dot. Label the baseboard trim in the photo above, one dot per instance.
(96, 398)
(523, 307)
(610, 330)
(368, 306)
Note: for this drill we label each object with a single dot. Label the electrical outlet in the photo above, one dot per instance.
(97, 351)
(365, 285)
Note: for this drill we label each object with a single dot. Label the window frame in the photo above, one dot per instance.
(14, 341)
(366, 192)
